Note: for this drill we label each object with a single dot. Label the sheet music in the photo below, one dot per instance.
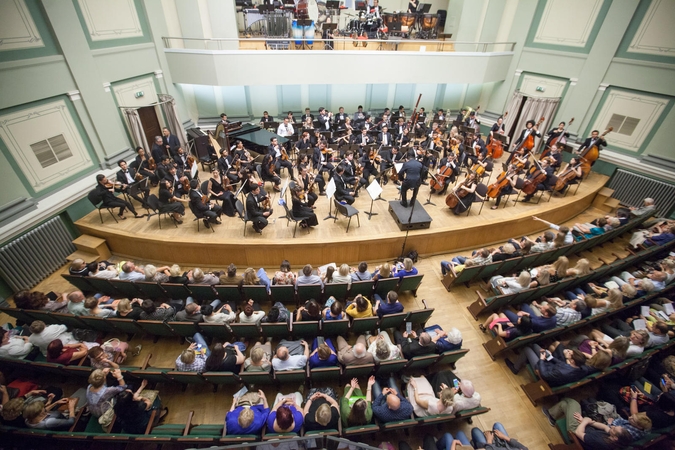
(374, 189)
(330, 189)
(398, 166)
(644, 311)
(325, 267)
(639, 324)
(669, 308)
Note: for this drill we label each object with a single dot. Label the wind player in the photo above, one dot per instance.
(362, 140)
(210, 210)
(472, 121)
(255, 210)
(340, 118)
(530, 128)
(274, 150)
(221, 129)
(384, 137)
(324, 119)
(400, 127)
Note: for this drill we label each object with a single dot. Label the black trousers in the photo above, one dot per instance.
(121, 204)
(408, 185)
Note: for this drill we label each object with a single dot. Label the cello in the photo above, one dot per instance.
(439, 181)
(538, 176)
(591, 154)
(495, 148)
(568, 175)
(502, 181)
(555, 140)
(528, 143)
(457, 194)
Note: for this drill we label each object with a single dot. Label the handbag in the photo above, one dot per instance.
(107, 417)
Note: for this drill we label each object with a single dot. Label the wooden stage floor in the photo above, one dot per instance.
(375, 239)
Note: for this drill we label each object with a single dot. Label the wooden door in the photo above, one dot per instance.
(150, 123)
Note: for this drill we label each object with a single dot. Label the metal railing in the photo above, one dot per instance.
(340, 43)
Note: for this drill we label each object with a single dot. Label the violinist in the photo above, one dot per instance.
(274, 150)
(265, 118)
(104, 192)
(389, 158)
(350, 169)
(209, 210)
(433, 142)
(536, 170)
(127, 176)
(321, 162)
(530, 129)
(595, 139)
(367, 124)
(180, 159)
(269, 173)
(467, 193)
(221, 190)
(480, 165)
(411, 174)
(169, 203)
(304, 142)
(384, 137)
(477, 148)
(302, 209)
(226, 167)
(497, 127)
(556, 133)
(342, 191)
(256, 211)
(509, 178)
(473, 121)
(555, 157)
(242, 155)
(368, 162)
(316, 138)
(164, 166)
(142, 166)
(178, 181)
(306, 181)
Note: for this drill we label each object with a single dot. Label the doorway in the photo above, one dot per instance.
(150, 122)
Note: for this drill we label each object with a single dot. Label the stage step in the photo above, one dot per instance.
(91, 245)
(604, 201)
(85, 256)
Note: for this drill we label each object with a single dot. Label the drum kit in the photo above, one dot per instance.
(368, 25)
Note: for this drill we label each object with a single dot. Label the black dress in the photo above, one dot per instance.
(225, 196)
(302, 211)
(465, 202)
(166, 206)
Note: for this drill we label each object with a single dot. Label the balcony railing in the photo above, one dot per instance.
(338, 43)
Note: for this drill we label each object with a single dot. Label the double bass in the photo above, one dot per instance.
(555, 140)
(591, 154)
(495, 149)
(453, 198)
(528, 143)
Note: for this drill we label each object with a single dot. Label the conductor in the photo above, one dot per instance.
(411, 174)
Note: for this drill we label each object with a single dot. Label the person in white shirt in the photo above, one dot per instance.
(467, 399)
(288, 356)
(285, 129)
(14, 346)
(222, 317)
(569, 237)
(42, 335)
(250, 315)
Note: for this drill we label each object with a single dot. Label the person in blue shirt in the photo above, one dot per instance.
(407, 269)
(333, 310)
(391, 306)
(389, 405)
(546, 321)
(323, 355)
(244, 418)
(286, 415)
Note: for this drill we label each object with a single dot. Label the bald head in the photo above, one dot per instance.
(282, 353)
(393, 402)
(76, 297)
(359, 350)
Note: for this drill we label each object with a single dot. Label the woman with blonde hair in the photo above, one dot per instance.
(341, 275)
(406, 269)
(511, 285)
(582, 267)
(176, 275)
(253, 278)
(99, 395)
(129, 309)
(383, 271)
(424, 401)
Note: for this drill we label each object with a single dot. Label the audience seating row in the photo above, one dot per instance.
(498, 345)
(287, 294)
(497, 302)
(540, 389)
(485, 272)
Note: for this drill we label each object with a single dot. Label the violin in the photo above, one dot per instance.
(374, 156)
(453, 198)
(555, 140)
(528, 143)
(115, 185)
(454, 146)
(591, 154)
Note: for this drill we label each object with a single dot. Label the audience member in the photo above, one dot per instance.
(291, 355)
(354, 355)
(389, 405)
(248, 414)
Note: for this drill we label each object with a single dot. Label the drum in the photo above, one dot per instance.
(390, 19)
(407, 22)
(429, 22)
(373, 24)
(309, 33)
(297, 32)
(354, 25)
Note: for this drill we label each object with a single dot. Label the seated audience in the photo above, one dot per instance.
(291, 355)
(284, 276)
(197, 276)
(391, 306)
(323, 355)
(259, 361)
(502, 326)
(250, 315)
(67, 354)
(413, 345)
(356, 408)
(92, 305)
(133, 411)
(308, 277)
(510, 285)
(383, 349)
(100, 396)
(193, 358)
(546, 321)
(359, 308)
(231, 278)
(424, 400)
(389, 405)
(638, 340)
(309, 312)
(321, 411)
(333, 310)
(42, 416)
(278, 314)
(224, 358)
(127, 309)
(248, 414)
(406, 269)
(354, 355)
(163, 312)
(222, 315)
(286, 414)
(14, 346)
(131, 272)
(342, 275)
(40, 301)
(362, 273)
(157, 274)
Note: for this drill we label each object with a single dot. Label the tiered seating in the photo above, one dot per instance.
(471, 274)
(496, 302)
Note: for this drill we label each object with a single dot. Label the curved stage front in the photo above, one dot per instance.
(376, 239)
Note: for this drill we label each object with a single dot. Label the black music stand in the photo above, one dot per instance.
(429, 202)
(328, 31)
(267, 125)
(331, 4)
(265, 9)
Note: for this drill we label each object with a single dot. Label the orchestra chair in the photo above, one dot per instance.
(321, 374)
(242, 213)
(204, 292)
(348, 211)
(290, 377)
(252, 379)
(384, 285)
(218, 378)
(308, 292)
(151, 289)
(290, 217)
(231, 293)
(153, 203)
(79, 282)
(420, 316)
(481, 190)
(410, 283)
(103, 286)
(250, 331)
(516, 191)
(258, 169)
(92, 197)
(199, 217)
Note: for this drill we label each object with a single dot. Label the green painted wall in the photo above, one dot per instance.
(116, 42)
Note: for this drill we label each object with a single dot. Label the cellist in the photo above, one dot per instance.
(571, 174)
(389, 158)
(509, 177)
(545, 167)
(450, 162)
(530, 129)
(555, 157)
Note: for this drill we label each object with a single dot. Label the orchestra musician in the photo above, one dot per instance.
(555, 157)
(169, 203)
(242, 154)
(340, 117)
(316, 138)
(304, 142)
(530, 128)
(324, 119)
(225, 166)
(367, 124)
(142, 166)
(305, 181)
(384, 137)
(359, 117)
(255, 209)
(265, 118)
(177, 181)
(346, 139)
(412, 6)
(221, 191)
(290, 117)
(321, 161)
(421, 115)
(472, 121)
(399, 114)
(403, 142)
(595, 139)
(307, 115)
(400, 127)
(511, 177)
(157, 151)
(104, 192)
(389, 158)
(180, 159)
(478, 146)
(576, 174)
(556, 132)
(268, 170)
(451, 162)
(221, 130)
(170, 142)
(376, 9)
(369, 168)
(385, 120)
(362, 140)
(440, 116)
(433, 142)
(274, 150)
(342, 191)
(497, 127)
(411, 176)
(303, 210)
(469, 187)
(460, 116)
(164, 165)
(126, 176)
(308, 124)
(350, 169)
(285, 129)
(546, 167)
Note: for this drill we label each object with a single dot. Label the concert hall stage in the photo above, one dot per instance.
(376, 239)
